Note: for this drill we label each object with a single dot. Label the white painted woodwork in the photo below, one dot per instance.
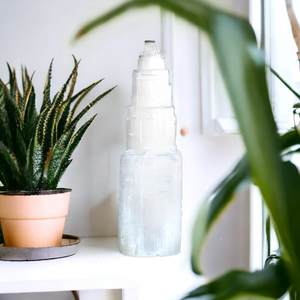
(99, 265)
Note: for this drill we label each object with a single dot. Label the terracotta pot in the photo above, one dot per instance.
(33, 219)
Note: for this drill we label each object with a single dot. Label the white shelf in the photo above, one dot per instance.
(99, 265)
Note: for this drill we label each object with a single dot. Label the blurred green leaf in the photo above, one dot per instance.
(271, 282)
(213, 207)
(285, 83)
(222, 196)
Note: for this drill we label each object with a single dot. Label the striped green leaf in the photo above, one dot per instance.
(13, 112)
(88, 107)
(25, 80)
(9, 168)
(49, 126)
(5, 134)
(80, 97)
(47, 99)
(58, 152)
(14, 90)
(36, 166)
(11, 81)
(59, 168)
(73, 81)
(30, 116)
(35, 153)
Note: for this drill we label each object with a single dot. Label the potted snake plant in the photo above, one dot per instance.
(35, 151)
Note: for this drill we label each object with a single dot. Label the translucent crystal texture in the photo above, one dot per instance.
(150, 171)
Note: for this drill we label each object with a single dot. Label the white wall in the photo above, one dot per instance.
(33, 32)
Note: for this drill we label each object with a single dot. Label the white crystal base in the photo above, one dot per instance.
(150, 203)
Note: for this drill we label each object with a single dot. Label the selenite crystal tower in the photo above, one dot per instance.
(150, 171)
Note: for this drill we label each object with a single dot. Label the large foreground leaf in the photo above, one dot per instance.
(222, 196)
(242, 66)
(213, 206)
(272, 282)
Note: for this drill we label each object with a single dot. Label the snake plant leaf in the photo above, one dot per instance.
(54, 176)
(12, 115)
(80, 96)
(20, 149)
(58, 101)
(64, 167)
(17, 95)
(14, 90)
(5, 134)
(59, 97)
(75, 60)
(62, 119)
(27, 87)
(285, 83)
(65, 115)
(2, 179)
(35, 153)
(9, 167)
(13, 112)
(49, 126)
(271, 282)
(64, 107)
(242, 67)
(47, 99)
(30, 115)
(25, 78)
(88, 107)
(73, 81)
(58, 152)
(11, 80)
(84, 91)
(61, 113)
(36, 157)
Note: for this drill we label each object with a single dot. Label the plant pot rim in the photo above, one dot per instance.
(32, 193)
